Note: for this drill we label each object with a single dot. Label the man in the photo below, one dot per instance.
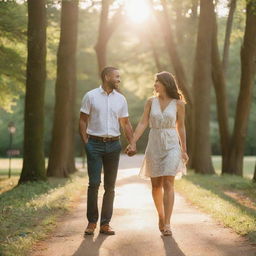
(101, 111)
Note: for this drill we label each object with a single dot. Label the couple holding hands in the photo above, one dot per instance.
(102, 111)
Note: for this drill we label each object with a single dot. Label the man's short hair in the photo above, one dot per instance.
(106, 71)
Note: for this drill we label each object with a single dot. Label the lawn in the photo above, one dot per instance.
(249, 164)
(248, 168)
(231, 200)
(30, 211)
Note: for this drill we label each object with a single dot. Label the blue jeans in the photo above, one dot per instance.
(101, 154)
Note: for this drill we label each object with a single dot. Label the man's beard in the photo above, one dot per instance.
(113, 85)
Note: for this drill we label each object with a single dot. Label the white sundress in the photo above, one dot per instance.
(163, 152)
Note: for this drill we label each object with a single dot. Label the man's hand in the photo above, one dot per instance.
(86, 138)
(83, 122)
(131, 150)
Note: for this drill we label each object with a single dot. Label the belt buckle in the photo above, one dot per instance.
(105, 139)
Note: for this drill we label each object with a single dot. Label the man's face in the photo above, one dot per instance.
(113, 79)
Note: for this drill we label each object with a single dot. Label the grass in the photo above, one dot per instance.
(16, 165)
(248, 166)
(229, 199)
(249, 163)
(29, 211)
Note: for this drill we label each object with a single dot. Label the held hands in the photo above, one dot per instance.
(131, 149)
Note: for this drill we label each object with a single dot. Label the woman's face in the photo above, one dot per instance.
(159, 87)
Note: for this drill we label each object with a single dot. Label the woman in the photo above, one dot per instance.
(166, 152)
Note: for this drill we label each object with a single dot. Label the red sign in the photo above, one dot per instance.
(13, 152)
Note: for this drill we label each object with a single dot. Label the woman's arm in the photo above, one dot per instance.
(180, 124)
(143, 123)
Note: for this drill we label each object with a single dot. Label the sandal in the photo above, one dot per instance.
(161, 225)
(167, 230)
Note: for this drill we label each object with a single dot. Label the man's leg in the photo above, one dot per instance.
(110, 166)
(94, 152)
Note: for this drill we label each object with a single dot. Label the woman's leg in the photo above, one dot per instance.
(168, 184)
(157, 193)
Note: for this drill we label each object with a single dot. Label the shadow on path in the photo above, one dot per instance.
(171, 247)
(92, 245)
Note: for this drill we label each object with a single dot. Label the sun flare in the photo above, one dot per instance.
(137, 10)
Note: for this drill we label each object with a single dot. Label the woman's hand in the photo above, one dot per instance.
(131, 149)
(184, 157)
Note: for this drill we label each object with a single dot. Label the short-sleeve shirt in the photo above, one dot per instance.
(104, 111)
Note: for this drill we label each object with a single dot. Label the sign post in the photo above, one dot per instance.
(12, 130)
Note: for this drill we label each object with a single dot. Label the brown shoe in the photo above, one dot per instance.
(90, 229)
(106, 229)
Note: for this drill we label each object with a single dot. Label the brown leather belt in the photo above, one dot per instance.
(104, 139)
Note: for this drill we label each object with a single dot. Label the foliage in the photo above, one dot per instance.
(12, 21)
(12, 52)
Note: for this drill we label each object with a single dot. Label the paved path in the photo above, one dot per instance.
(135, 223)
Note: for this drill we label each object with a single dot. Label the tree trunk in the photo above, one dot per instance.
(180, 76)
(106, 29)
(248, 67)
(227, 35)
(101, 52)
(159, 66)
(149, 34)
(221, 95)
(202, 86)
(173, 53)
(101, 45)
(33, 156)
(254, 176)
(194, 17)
(178, 6)
(61, 159)
(194, 9)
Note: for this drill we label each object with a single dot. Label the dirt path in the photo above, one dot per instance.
(135, 223)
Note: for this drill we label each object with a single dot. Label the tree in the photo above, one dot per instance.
(201, 88)
(227, 35)
(155, 54)
(106, 29)
(179, 71)
(254, 176)
(61, 159)
(248, 68)
(148, 34)
(219, 82)
(173, 53)
(230, 148)
(33, 156)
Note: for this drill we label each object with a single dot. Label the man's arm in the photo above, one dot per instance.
(127, 128)
(83, 123)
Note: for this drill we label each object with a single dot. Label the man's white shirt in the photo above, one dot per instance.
(104, 111)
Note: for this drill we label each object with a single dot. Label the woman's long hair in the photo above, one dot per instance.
(170, 84)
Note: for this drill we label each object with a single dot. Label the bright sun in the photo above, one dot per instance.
(137, 10)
